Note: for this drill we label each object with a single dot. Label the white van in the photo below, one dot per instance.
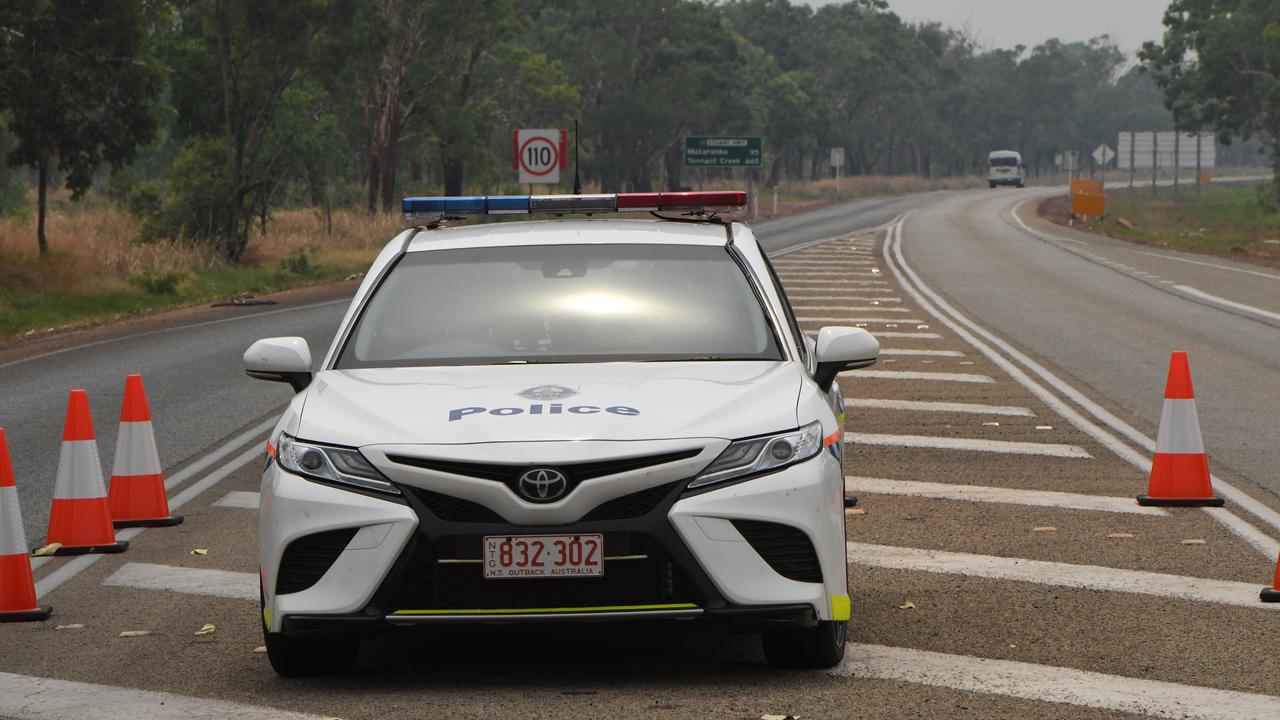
(1004, 167)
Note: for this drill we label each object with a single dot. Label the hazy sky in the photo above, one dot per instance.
(1005, 23)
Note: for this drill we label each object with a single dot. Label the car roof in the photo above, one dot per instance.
(571, 232)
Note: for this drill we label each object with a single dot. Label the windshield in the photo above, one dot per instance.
(561, 303)
(1004, 161)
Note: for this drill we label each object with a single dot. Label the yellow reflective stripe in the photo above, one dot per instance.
(841, 607)
(531, 611)
(266, 617)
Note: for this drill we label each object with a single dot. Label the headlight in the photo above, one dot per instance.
(762, 454)
(341, 466)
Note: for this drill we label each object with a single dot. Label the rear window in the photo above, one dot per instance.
(1003, 161)
(562, 303)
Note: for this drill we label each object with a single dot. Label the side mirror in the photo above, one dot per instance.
(843, 348)
(283, 359)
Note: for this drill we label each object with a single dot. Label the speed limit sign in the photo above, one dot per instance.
(540, 155)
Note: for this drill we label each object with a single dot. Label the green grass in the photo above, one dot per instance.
(39, 294)
(1225, 220)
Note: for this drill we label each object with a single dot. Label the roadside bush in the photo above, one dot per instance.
(300, 265)
(146, 203)
(158, 282)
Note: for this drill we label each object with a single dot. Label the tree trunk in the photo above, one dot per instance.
(452, 168)
(390, 160)
(44, 184)
(375, 175)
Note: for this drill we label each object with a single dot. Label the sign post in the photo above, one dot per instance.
(1103, 155)
(728, 152)
(539, 156)
(837, 162)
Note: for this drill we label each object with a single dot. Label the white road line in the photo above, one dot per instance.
(1044, 572)
(916, 287)
(1009, 447)
(240, 499)
(188, 581)
(913, 375)
(1007, 496)
(922, 406)
(1268, 276)
(1227, 303)
(38, 698)
(848, 308)
(860, 319)
(1047, 683)
(78, 564)
(912, 351)
(796, 299)
(833, 284)
(916, 335)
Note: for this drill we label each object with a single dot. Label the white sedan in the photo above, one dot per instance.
(595, 419)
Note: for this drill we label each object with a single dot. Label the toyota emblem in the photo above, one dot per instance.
(543, 485)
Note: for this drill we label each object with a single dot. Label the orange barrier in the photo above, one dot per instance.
(137, 496)
(1081, 186)
(17, 588)
(1180, 471)
(1272, 594)
(80, 520)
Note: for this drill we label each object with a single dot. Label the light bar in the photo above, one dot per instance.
(434, 208)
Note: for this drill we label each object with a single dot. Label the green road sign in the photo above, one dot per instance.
(724, 151)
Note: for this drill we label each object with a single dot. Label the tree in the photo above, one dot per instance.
(80, 86)
(1219, 66)
(238, 60)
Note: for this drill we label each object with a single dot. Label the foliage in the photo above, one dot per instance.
(158, 282)
(1219, 66)
(79, 83)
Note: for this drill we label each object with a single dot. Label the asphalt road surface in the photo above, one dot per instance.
(998, 562)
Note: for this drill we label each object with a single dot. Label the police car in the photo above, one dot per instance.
(571, 419)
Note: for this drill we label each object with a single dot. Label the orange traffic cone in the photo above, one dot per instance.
(80, 520)
(17, 589)
(137, 497)
(1272, 594)
(1180, 471)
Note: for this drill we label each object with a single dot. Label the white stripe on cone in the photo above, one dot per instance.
(1179, 428)
(79, 471)
(136, 452)
(13, 540)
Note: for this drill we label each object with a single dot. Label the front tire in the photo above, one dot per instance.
(814, 648)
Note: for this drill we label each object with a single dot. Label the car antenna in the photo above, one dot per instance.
(577, 179)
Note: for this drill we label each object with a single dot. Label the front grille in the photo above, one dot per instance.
(786, 549)
(308, 558)
(509, 473)
(447, 586)
(634, 505)
(454, 509)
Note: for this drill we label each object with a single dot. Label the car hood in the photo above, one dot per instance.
(520, 403)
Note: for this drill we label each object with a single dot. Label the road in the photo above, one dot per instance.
(998, 563)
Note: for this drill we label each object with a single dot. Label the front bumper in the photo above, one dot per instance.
(668, 556)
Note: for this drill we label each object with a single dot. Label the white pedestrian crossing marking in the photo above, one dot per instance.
(913, 351)
(40, 698)
(1008, 496)
(913, 375)
(1044, 572)
(847, 308)
(975, 444)
(189, 581)
(929, 406)
(1047, 683)
(239, 499)
(914, 335)
(911, 321)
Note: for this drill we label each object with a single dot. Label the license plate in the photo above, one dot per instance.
(543, 556)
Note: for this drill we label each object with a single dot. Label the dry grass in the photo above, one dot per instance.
(97, 270)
